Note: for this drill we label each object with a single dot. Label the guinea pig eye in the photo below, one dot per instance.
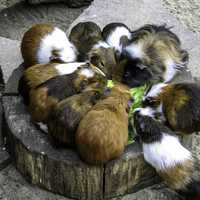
(102, 63)
(94, 59)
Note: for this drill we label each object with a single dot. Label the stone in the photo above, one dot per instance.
(155, 192)
(10, 56)
(17, 19)
(14, 187)
(70, 3)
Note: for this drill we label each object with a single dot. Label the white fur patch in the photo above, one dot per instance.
(114, 38)
(87, 72)
(43, 127)
(148, 111)
(68, 68)
(170, 71)
(57, 40)
(166, 153)
(155, 90)
(101, 44)
(135, 51)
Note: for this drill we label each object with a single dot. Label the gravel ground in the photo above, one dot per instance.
(187, 11)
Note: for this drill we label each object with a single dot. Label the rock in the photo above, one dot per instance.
(70, 3)
(156, 192)
(61, 170)
(17, 19)
(10, 56)
(14, 187)
(187, 11)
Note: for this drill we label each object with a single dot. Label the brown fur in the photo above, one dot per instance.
(173, 100)
(45, 97)
(103, 133)
(104, 59)
(84, 36)
(179, 176)
(31, 41)
(180, 106)
(40, 73)
(67, 114)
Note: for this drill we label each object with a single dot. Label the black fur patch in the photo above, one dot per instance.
(151, 28)
(60, 87)
(149, 129)
(134, 76)
(24, 89)
(192, 191)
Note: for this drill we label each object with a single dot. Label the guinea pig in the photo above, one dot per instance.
(117, 35)
(163, 151)
(40, 73)
(66, 116)
(103, 132)
(84, 36)
(44, 43)
(157, 50)
(178, 105)
(103, 56)
(45, 97)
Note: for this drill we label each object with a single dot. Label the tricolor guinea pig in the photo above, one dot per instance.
(84, 36)
(157, 50)
(44, 43)
(66, 116)
(163, 151)
(45, 97)
(40, 73)
(117, 35)
(103, 132)
(178, 105)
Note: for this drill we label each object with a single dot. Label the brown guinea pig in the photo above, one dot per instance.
(84, 36)
(40, 73)
(178, 105)
(66, 116)
(103, 132)
(45, 97)
(104, 57)
(44, 43)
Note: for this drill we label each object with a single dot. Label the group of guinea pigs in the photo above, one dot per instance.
(64, 85)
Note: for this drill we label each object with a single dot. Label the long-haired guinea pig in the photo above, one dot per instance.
(176, 104)
(117, 35)
(66, 116)
(45, 97)
(103, 132)
(40, 73)
(163, 151)
(157, 50)
(44, 43)
(84, 36)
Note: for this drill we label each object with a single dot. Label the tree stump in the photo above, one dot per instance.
(61, 170)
